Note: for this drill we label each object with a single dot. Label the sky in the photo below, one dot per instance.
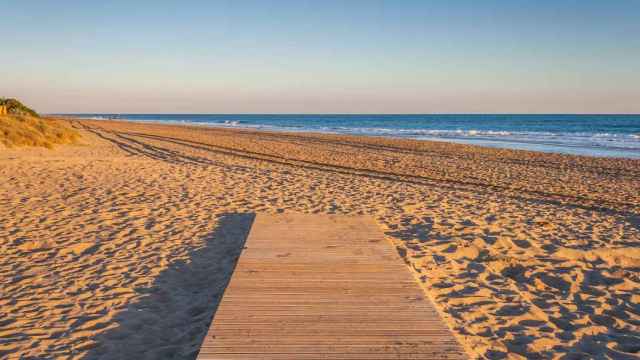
(323, 56)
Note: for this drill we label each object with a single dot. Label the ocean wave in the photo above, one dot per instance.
(409, 132)
(485, 133)
(564, 139)
(231, 122)
(568, 139)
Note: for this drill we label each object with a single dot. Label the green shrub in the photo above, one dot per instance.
(15, 107)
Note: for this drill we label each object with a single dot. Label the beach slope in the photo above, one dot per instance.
(122, 245)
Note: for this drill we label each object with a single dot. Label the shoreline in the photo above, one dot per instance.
(479, 142)
(541, 141)
(120, 246)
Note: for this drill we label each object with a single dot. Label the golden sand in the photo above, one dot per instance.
(121, 247)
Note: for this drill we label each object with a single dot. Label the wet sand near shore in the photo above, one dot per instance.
(122, 246)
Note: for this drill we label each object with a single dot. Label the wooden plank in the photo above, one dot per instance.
(324, 287)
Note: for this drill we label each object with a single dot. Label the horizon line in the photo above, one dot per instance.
(329, 113)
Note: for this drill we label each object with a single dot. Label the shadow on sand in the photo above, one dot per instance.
(173, 316)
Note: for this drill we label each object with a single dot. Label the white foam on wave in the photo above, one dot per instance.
(409, 132)
(231, 122)
(571, 139)
(420, 132)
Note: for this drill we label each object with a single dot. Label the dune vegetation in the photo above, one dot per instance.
(15, 107)
(20, 130)
(21, 126)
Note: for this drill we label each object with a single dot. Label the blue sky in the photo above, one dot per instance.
(322, 56)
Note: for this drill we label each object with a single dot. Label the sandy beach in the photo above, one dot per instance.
(121, 246)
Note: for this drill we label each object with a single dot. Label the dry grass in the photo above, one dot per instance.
(34, 131)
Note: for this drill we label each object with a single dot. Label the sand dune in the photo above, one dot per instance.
(122, 246)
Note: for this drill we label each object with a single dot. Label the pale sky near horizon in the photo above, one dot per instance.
(511, 56)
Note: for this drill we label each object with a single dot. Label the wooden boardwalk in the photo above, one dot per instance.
(324, 287)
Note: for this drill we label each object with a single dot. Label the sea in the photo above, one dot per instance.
(591, 135)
